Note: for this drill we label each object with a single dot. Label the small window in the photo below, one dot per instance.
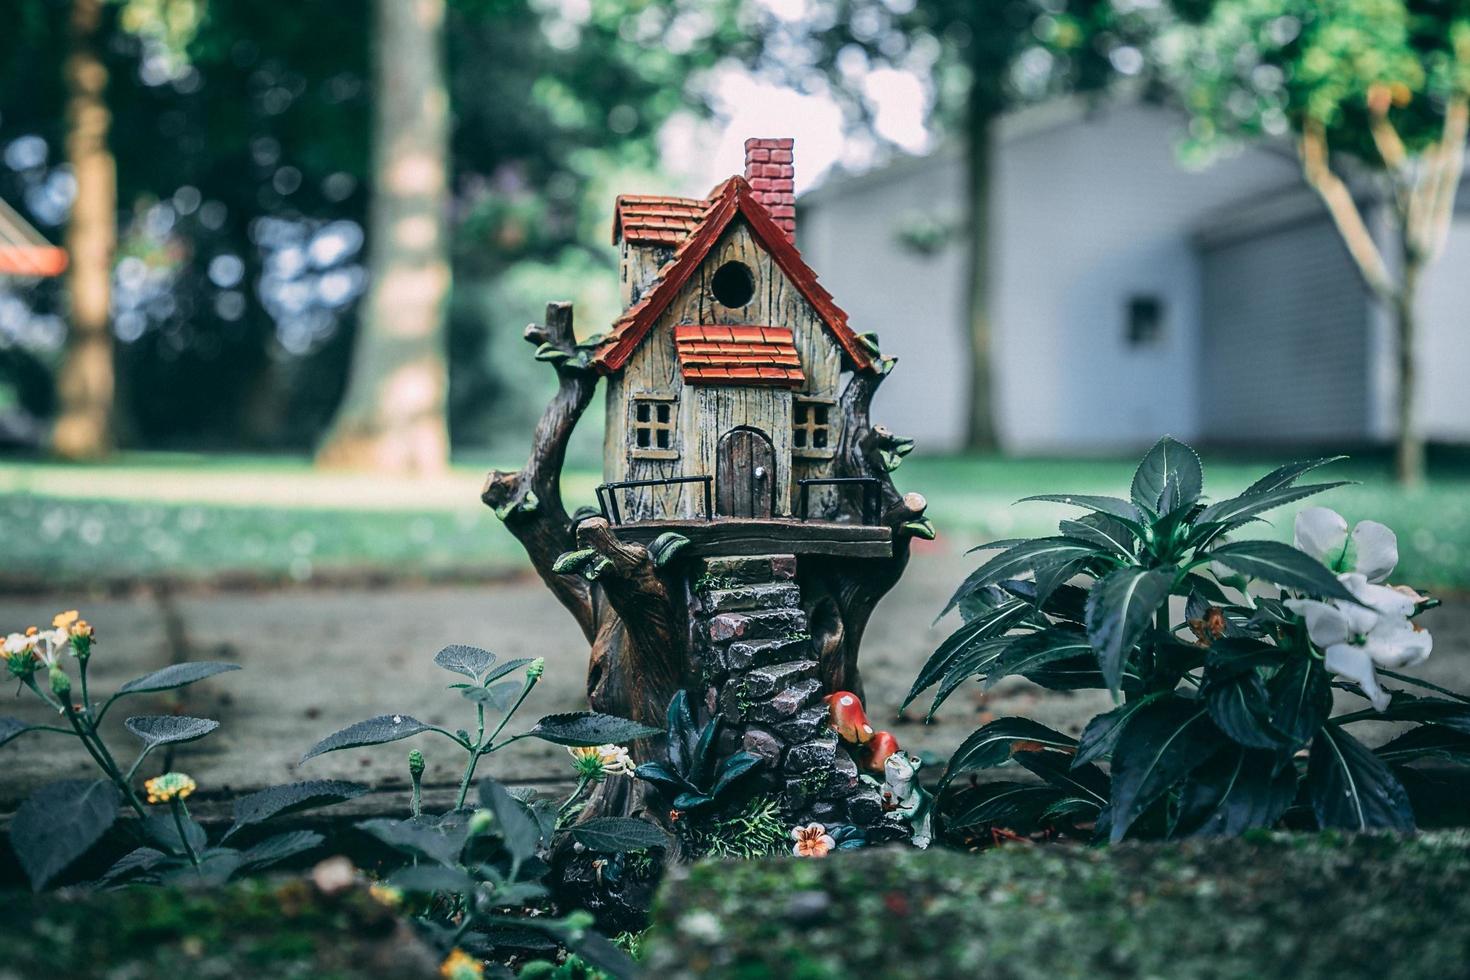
(733, 285)
(811, 427)
(653, 428)
(1145, 327)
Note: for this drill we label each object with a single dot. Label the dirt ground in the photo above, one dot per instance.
(317, 660)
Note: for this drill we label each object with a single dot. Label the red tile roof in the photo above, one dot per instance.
(652, 219)
(739, 355)
(733, 197)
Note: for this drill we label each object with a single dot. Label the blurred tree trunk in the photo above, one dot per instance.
(980, 432)
(86, 380)
(392, 417)
(1423, 185)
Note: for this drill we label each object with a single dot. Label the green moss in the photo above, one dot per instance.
(1270, 906)
(253, 928)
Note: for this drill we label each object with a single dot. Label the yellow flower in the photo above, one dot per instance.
(386, 894)
(597, 761)
(460, 965)
(64, 620)
(170, 786)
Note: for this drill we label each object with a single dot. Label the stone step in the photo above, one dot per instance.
(747, 570)
(807, 724)
(786, 624)
(785, 704)
(766, 595)
(747, 654)
(763, 682)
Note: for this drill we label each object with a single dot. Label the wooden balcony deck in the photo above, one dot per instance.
(772, 536)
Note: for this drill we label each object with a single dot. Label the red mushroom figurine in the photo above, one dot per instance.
(848, 719)
(877, 751)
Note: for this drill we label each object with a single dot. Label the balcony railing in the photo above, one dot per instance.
(607, 493)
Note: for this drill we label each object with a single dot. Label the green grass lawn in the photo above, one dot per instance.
(211, 517)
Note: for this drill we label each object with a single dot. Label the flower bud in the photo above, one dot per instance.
(536, 668)
(60, 684)
(480, 822)
(416, 763)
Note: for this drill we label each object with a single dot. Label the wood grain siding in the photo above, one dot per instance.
(1285, 356)
(706, 413)
(638, 268)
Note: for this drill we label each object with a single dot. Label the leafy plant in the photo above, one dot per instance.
(487, 691)
(693, 778)
(61, 821)
(1215, 707)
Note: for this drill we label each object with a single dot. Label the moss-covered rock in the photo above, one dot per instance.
(257, 928)
(1295, 906)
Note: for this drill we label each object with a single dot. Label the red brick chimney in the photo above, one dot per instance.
(772, 175)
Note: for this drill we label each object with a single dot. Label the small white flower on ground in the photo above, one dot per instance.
(1371, 550)
(812, 841)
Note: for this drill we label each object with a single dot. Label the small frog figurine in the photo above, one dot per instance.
(902, 795)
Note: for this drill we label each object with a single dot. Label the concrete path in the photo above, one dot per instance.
(315, 661)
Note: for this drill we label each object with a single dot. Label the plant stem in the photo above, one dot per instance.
(177, 806)
(484, 746)
(474, 759)
(86, 698)
(565, 810)
(92, 742)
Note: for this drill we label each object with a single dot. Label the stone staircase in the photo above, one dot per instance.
(760, 677)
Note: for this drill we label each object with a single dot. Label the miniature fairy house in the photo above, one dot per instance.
(748, 524)
(724, 369)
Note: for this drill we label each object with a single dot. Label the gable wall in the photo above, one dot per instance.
(705, 413)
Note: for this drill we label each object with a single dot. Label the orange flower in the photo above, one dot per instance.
(812, 841)
(460, 965)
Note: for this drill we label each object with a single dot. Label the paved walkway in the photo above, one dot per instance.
(315, 661)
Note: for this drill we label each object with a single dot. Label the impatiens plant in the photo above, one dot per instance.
(1220, 655)
(63, 820)
(693, 778)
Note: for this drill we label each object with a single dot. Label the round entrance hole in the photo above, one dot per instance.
(732, 284)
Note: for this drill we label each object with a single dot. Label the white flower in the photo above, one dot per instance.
(1372, 550)
(597, 761)
(18, 643)
(1356, 639)
(51, 645)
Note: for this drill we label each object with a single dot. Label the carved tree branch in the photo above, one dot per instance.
(635, 670)
(529, 500)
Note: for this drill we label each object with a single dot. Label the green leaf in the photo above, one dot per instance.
(1426, 741)
(1102, 732)
(1440, 711)
(666, 546)
(160, 828)
(1353, 789)
(168, 729)
(1169, 466)
(595, 569)
(996, 742)
(993, 622)
(1301, 697)
(175, 675)
(1285, 476)
(1161, 744)
(275, 801)
(572, 561)
(1119, 610)
(1113, 506)
(550, 352)
(281, 847)
(1036, 650)
(12, 727)
(977, 658)
(1103, 530)
(1250, 503)
(498, 697)
(1020, 559)
(1056, 768)
(618, 835)
(373, 731)
(513, 819)
(138, 861)
(414, 837)
(590, 728)
(1282, 565)
(733, 769)
(1002, 802)
(426, 879)
(1238, 790)
(59, 823)
(467, 660)
(505, 668)
(1240, 707)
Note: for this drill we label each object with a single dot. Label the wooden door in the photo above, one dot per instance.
(745, 477)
